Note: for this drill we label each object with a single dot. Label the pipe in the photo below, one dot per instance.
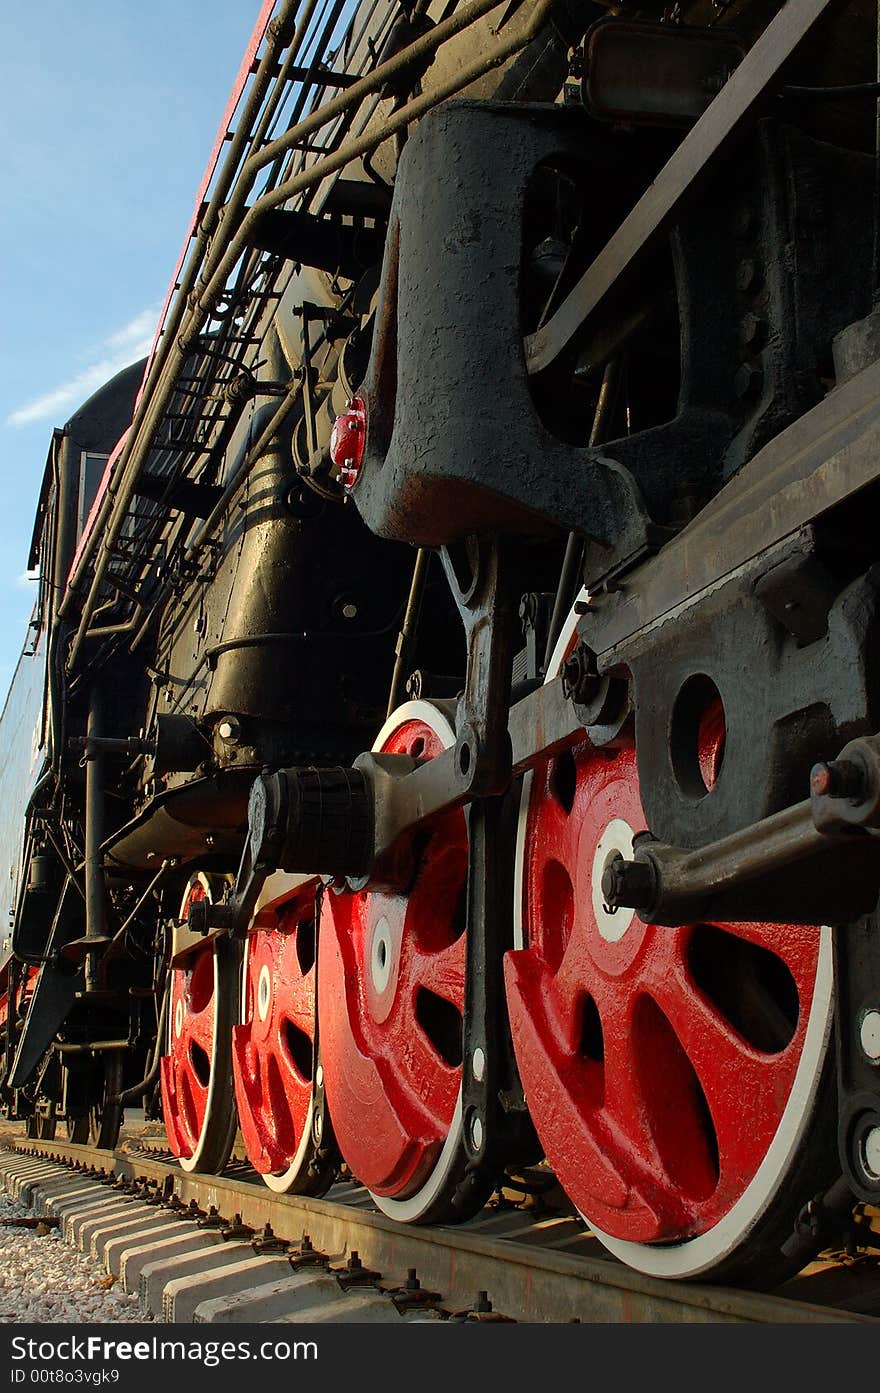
(411, 618)
(64, 859)
(574, 550)
(152, 1075)
(206, 228)
(369, 141)
(166, 865)
(93, 874)
(151, 408)
(240, 474)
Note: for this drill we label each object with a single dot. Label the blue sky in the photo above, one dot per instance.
(108, 111)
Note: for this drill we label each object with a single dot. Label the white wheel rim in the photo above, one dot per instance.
(412, 1208)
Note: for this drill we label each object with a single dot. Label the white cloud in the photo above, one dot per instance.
(124, 346)
(137, 331)
(26, 579)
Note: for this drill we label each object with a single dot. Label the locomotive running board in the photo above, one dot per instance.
(822, 459)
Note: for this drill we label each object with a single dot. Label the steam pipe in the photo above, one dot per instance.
(93, 875)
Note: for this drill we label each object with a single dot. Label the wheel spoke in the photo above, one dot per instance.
(199, 1028)
(555, 834)
(729, 1070)
(441, 972)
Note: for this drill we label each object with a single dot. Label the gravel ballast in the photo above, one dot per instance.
(43, 1279)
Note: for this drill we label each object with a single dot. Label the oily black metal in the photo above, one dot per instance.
(311, 819)
(241, 617)
(179, 745)
(204, 816)
(800, 703)
(96, 937)
(454, 442)
(655, 74)
(825, 1218)
(51, 1001)
(857, 985)
(197, 500)
(829, 455)
(479, 574)
(540, 725)
(495, 1124)
(752, 335)
(327, 243)
(734, 103)
(317, 821)
(214, 259)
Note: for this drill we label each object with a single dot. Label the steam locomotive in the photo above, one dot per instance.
(457, 646)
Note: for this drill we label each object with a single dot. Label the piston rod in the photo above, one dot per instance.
(671, 885)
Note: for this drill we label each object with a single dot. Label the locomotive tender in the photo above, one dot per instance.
(458, 745)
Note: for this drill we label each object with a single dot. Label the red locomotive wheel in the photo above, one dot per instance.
(391, 976)
(198, 1102)
(284, 1128)
(673, 1075)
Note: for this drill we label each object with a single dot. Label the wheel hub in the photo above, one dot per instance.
(264, 992)
(385, 937)
(615, 842)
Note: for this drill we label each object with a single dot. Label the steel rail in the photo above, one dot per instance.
(151, 408)
(510, 1253)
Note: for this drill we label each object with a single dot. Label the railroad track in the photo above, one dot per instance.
(224, 1248)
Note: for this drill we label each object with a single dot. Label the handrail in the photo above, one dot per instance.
(221, 258)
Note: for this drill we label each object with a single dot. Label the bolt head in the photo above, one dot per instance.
(611, 877)
(871, 1153)
(869, 1034)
